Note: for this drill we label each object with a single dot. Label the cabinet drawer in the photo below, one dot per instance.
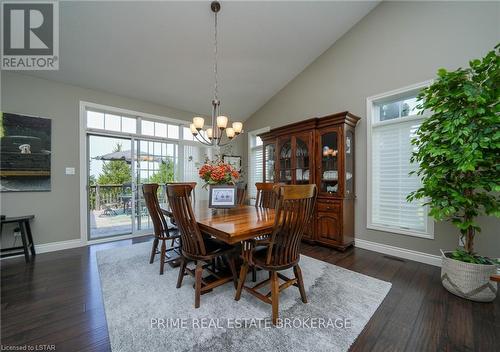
(332, 206)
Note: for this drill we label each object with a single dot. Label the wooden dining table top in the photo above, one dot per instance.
(232, 225)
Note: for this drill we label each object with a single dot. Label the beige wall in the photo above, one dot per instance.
(57, 212)
(396, 45)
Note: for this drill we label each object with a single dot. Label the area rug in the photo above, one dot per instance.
(145, 312)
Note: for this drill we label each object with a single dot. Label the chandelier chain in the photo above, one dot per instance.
(216, 92)
(215, 130)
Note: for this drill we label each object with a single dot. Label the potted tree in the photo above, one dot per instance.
(457, 150)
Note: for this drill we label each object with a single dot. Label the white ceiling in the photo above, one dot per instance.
(162, 51)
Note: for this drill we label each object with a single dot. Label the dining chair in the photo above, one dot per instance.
(190, 184)
(195, 247)
(293, 211)
(192, 195)
(161, 230)
(266, 197)
(241, 193)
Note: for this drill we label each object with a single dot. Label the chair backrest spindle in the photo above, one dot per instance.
(241, 190)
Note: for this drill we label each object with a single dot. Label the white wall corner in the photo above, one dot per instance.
(404, 253)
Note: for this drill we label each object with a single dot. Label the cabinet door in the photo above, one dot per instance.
(309, 230)
(302, 162)
(285, 160)
(269, 161)
(329, 159)
(328, 228)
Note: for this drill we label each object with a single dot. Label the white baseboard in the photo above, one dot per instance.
(399, 252)
(364, 244)
(58, 246)
(61, 245)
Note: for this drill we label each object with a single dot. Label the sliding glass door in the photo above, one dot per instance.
(109, 186)
(156, 162)
(117, 169)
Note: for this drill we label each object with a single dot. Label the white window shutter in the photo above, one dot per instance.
(255, 168)
(391, 151)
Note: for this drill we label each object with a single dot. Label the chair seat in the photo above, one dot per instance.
(259, 259)
(213, 248)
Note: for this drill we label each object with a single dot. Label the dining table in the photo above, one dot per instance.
(231, 225)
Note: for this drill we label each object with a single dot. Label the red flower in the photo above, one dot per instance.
(217, 171)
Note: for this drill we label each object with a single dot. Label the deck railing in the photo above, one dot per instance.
(106, 195)
(112, 196)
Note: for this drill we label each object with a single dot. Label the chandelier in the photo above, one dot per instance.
(214, 134)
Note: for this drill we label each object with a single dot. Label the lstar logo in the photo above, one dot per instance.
(30, 35)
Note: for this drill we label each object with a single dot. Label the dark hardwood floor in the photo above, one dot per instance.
(57, 301)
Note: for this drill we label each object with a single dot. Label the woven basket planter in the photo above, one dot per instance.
(467, 280)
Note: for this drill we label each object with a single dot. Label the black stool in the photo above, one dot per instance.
(24, 225)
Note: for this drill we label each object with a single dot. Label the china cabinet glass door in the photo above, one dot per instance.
(269, 155)
(329, 168)
(302, 163)
(285, 161)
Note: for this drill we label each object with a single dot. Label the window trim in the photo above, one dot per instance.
(428, 233)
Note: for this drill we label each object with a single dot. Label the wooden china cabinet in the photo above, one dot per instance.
(321, 151)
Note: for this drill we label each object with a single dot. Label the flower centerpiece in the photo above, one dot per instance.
(217, 172)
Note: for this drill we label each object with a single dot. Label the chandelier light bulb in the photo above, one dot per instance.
(198, 122)
(222, 122)
(230, 132)
(238, 127)
(209, 133)
(194, 131)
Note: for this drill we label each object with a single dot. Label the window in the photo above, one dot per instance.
(129, 125)
(95, 119)
(255, 161)
(160, 129)
(111, 122)
(393, 120)
(166, 136)
(147, 128)
(173, 131)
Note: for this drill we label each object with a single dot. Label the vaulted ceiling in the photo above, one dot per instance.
(162, 51)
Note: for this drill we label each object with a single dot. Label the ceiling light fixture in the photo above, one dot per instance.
(214, 134)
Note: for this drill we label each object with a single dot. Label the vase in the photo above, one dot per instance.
(468, 280)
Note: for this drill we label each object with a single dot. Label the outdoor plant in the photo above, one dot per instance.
(217, 172)
(457, 149)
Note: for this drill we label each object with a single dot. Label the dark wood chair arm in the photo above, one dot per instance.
(495, 278)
